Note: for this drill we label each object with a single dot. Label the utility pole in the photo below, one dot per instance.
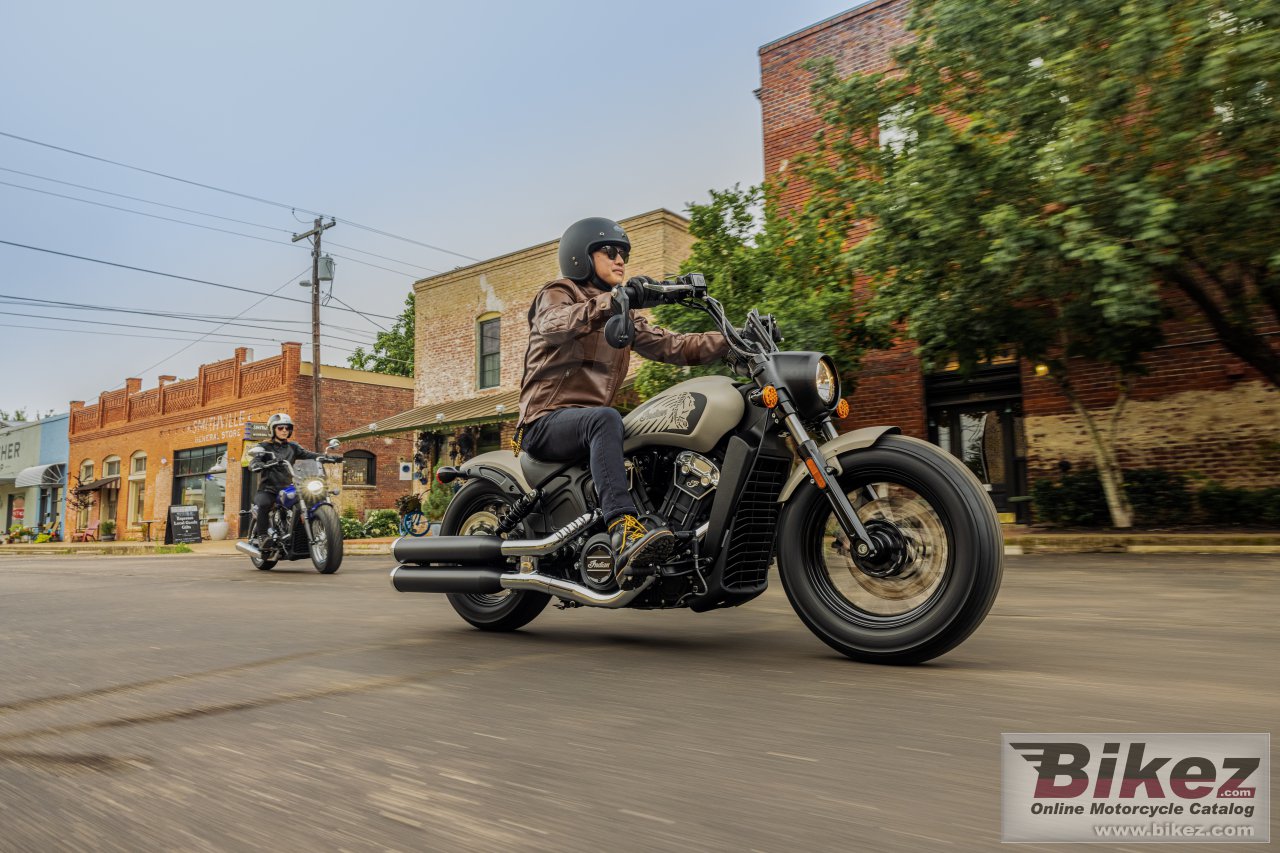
(315, 233)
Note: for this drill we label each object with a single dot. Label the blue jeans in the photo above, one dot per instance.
(595, 432)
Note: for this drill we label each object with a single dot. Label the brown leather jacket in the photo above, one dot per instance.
(569, 364)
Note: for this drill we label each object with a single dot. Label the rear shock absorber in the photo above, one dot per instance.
(518, 511)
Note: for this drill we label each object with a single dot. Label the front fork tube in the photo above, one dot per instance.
(813, 459)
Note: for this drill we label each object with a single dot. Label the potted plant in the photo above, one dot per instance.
(107, 531)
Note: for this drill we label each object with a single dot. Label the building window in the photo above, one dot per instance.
(489, 336)
(137, 486)
(86, 477)
(359, 468)
(200, 480)
(110, 495)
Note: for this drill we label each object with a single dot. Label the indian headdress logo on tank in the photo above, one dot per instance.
(667, 413)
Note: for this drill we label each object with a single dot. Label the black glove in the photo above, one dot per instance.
(330, 458)
(638, 295)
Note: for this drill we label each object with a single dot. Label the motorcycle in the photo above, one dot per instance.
(302, 522)
(888, 548)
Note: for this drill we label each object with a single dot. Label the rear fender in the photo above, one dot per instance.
(500, 467)
(859, 439)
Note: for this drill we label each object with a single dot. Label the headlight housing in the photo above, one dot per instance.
(812, 379)
(315, 487)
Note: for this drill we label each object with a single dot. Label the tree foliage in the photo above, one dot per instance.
(755, 257)
(392, 351)
(1032, 173)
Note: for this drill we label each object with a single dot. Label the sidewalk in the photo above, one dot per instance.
(1017, 540)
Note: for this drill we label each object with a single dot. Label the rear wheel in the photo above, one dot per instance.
(476, 510)
(262, 565)
(326, 540)
(936, 570)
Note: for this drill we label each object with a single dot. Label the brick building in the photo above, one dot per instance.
(1009, 424)
(138, 452)
(472, 329)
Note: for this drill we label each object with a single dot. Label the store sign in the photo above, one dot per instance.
(19, 449)
(183, 525)
(217, 428)
(256, 431)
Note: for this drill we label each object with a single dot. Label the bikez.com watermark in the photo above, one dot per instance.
(1136, 787)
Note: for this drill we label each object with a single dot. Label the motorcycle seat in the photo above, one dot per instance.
(537, 472)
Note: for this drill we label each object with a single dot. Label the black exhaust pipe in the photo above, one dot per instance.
(466, 550)
(476, 581)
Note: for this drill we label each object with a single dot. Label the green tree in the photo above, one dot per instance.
(1034, 172)
(392, 351)
(755, 257)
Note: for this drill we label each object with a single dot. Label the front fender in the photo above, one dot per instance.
(856, 440)
(500, 467)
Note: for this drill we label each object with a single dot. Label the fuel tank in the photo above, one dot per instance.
(692, 415)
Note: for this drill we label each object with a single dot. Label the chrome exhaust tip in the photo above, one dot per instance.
(249, 549)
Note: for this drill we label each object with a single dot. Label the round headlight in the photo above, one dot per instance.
(828, 382)
(315, 487)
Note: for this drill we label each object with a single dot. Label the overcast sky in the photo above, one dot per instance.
(478, 128)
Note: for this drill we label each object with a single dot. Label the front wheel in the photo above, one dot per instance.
(326, 540)
(476, 510)
(929, 584)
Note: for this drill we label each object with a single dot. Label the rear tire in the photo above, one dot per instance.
(939, 579)
(262, 565)
(475, 510)
(326, 552)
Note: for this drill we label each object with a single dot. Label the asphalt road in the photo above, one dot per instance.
(189, 703)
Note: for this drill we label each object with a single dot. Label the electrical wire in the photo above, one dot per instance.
(350, 222)
(197, 213)
(32, 302)
(273, 295)
(211, 228)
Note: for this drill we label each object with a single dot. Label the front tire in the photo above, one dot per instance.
(326, 540)
(935, 580)
(476, 510)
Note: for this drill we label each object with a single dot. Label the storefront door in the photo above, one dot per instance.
(990, 441)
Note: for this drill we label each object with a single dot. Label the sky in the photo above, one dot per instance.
(473, 128)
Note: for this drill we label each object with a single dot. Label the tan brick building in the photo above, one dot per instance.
(1200, 410)
(472, 328)
(138, 452)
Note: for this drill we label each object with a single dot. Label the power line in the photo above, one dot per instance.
(96, 322)
(174, 315)
(233, 193)
(201, 213)
(213, 228)
(340, 302)
(273, 295)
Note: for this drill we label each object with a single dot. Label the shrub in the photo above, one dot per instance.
(406, 504)
(1073, 500)
(349, 511)
(43, 538)
(352, 528)
(1158, 496)
(107, 528)
(437, 500)
(383, 522)
(1223, 505)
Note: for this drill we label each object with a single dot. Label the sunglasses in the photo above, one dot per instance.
(612, 252)
(285, 426)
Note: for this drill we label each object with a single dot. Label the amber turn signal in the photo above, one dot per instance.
(770, 397)
(842, 409)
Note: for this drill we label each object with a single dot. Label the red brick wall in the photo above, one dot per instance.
(211, 409)
(1199, 410)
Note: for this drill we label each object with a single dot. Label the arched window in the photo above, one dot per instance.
(86, 477)
(137, 486)
(359, 468)
(489, 350)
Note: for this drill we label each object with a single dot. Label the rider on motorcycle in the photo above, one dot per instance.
(571, 375)
(276, 477)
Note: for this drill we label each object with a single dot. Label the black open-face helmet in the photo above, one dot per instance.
(584, 237)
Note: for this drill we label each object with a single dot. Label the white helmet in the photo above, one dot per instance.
(279, 419)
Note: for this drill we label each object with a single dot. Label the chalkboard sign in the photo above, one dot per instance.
(182, 526)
